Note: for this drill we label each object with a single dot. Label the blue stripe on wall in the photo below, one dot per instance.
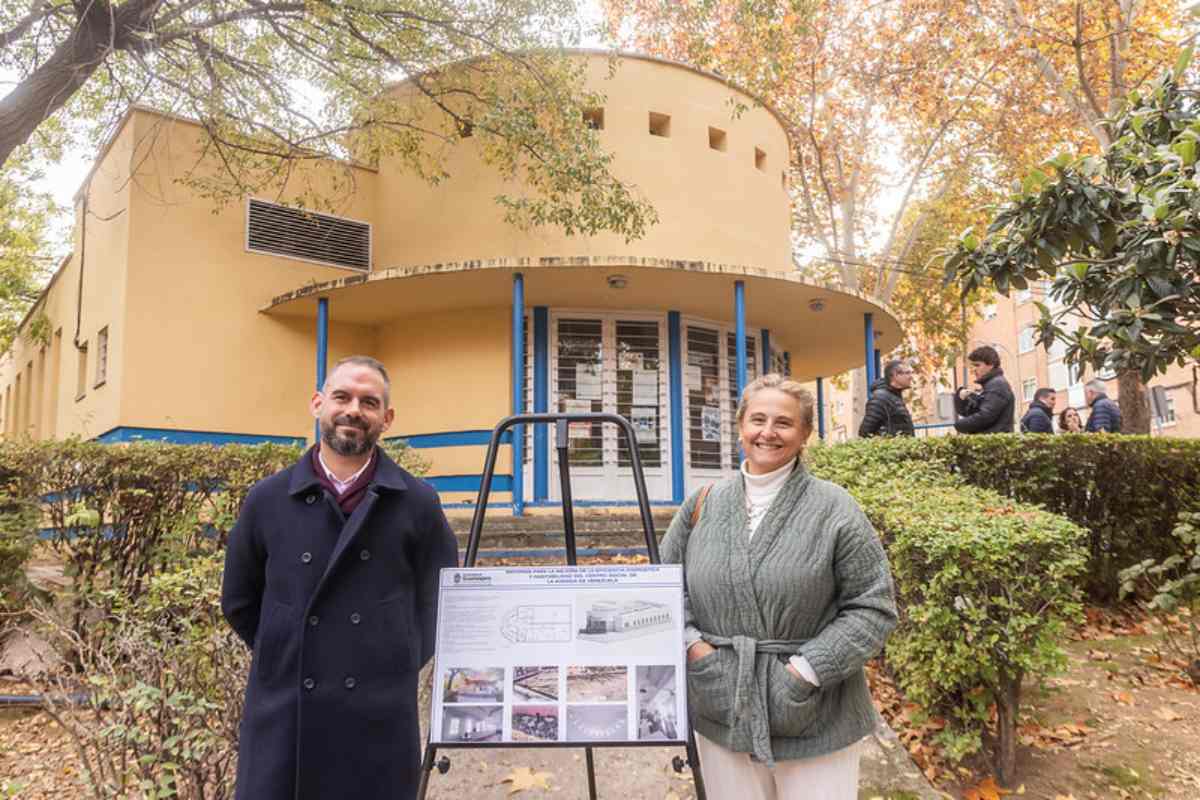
(468, 483)
(126, 434)
(450, 438)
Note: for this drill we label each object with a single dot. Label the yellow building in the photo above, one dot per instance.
(176, 320)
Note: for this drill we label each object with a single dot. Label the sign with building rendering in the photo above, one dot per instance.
(558, 654)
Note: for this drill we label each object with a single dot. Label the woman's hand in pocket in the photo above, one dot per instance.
(699, 650)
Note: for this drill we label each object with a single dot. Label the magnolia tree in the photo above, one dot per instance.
(1118, 235)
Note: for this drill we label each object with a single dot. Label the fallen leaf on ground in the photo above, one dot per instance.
(1124, 698)
(988, 789)
(1168, 714)
(523, 778)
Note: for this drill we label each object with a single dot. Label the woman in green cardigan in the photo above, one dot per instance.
(788, 594)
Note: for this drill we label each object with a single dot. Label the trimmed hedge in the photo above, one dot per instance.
(985, 586)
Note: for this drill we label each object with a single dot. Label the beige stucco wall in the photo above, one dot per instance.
(228, 367)
(51, 404)
(713, 206)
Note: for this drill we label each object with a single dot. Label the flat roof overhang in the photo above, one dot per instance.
(822, 343)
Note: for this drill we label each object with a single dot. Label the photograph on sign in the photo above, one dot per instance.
(550, 655)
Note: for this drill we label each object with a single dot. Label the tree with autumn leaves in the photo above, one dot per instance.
(934, 104)
(282, 84)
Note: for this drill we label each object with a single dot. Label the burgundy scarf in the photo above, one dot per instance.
(355, 492)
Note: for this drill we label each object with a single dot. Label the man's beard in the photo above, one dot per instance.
(344, 446)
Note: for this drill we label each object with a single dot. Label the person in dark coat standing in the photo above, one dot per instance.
(331, 578)
(1040, 416)
(991, 409)
(886, 413)
(1106, 415)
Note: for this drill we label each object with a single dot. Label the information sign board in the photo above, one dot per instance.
(560, 655)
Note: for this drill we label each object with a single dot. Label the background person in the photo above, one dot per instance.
(331, 578)
(886, 414)
(1069, 421)
(991, 409)
(788, 594)
(1040, 416)
(1106, 415)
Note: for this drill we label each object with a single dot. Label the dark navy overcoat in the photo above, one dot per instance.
(340, 614)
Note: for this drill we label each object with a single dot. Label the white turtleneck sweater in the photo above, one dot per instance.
(760, 493)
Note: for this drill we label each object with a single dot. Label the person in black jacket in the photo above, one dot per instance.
(1040, 416)
(991, 409)
(886, 414)
(1106, 415)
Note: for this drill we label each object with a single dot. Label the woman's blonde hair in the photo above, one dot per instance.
(786, 385)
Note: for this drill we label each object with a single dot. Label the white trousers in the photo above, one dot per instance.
(733, 776)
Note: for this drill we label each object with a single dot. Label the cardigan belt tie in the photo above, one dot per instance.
(751, 728)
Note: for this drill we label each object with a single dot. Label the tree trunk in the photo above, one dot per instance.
(55, 81)
(859, 392)
(1134, 400)
(1008, 705)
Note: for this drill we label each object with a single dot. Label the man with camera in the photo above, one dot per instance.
(991, 409)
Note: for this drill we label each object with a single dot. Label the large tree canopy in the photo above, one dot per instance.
(25, 246)
(1117, 233)
(929, 103)
(276, 82)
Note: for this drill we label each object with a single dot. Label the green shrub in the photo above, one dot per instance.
(18, 526)
(165, 676)
(1172, 591)
(985, 586)
(1127, 491)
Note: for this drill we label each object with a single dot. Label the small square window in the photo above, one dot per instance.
(1027, 339)
(760, 159)
(717, 139)
(1028, 389)
(594, 118)
(660, 124)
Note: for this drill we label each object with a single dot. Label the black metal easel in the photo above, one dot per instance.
(561, 441)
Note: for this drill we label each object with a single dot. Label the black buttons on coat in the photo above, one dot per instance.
(306, 557)
(350, 683)
(313, 620)
(312, 498)
(365, 555)
(309, 684)
(355, 618)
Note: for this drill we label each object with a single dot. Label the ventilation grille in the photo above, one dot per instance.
(295, 233)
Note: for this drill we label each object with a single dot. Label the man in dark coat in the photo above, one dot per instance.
(991, 409)
(886, 414)
(1106, 415)
(1040, 416)
(331, 577)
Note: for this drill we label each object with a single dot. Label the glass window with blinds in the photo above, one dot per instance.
(702, 379)
(638, 387)
(579, 386)
(734, 397)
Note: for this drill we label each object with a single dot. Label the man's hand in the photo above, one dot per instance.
(699, 650)
(963, 392)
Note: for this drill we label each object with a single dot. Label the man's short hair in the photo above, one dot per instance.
(370, 363)
(985, 354)
(1096, 385)
(1042, 393)
(889, 369)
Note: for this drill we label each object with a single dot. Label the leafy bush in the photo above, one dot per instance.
(1172, 587)
(164, 677)
(1127, 491)
(18, 517)
(985, 586)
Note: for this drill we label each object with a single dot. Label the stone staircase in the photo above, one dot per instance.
(603, 529)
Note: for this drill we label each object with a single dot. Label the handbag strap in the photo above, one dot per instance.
(700, 505)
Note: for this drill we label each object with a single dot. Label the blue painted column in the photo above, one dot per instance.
(518, 387)
(764, 338)
(675, 399)
(821, 408)
(322, 353)
(869, 343)
(541, 401)
(739, 317)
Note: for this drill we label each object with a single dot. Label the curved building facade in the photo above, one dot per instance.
(188, 322)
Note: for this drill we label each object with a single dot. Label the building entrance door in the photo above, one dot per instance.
(615, 364)
(710, 401)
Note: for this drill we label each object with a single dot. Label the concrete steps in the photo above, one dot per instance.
(594, 529)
